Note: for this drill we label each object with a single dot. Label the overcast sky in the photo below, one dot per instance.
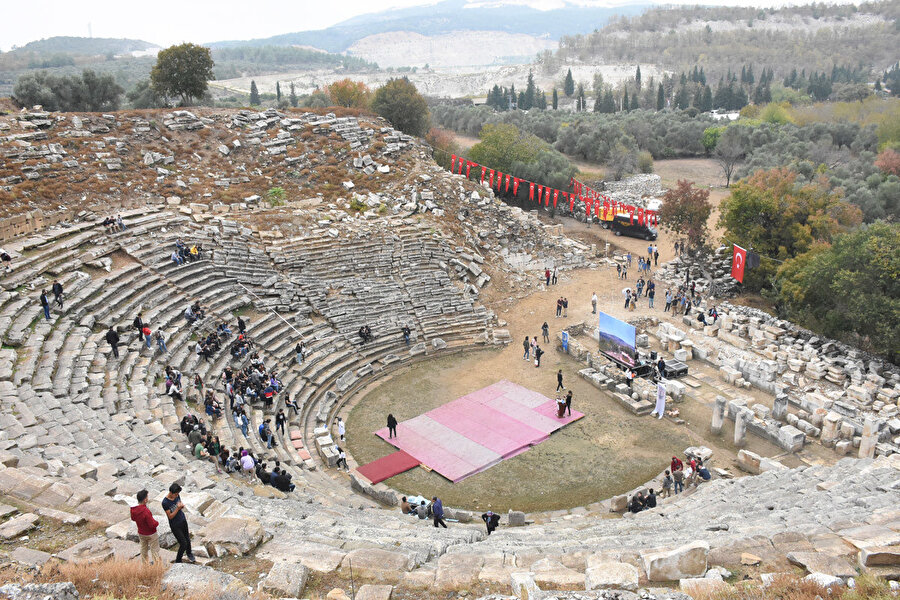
(166, 22)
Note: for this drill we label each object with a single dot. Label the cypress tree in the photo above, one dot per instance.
(634, 102)
(625, 100)
(637, 77)
(293, 96)
(254, 94)
(555, 99)
(569, 85)
(530, 93)
(660, 97)
(278, 92)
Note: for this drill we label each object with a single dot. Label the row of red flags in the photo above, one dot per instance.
(593, 201)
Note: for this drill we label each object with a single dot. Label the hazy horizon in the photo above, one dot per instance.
(204, 22)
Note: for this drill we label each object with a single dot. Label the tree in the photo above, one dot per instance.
(502, 145)
(706, 101)
(293, 96)
(685, 211)
(579, 93)
(399, 102)
(780, 219)
(849, 290)
(278, 92)
(254, 94)
(349, 93)
(888, 162)
(660, 97)
(569, 85)
(555, 99)
(634, 102)
(142, 95)
(88, 92)
(530, 93)
(729, 151)
(637, 77)
(625, 100)
(711, 138)
(182, 71)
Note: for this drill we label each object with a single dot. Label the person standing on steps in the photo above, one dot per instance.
(138, 325)
(437, 511)
(527, 345)
(545, 330)
(392, 426)
(148, 336)
(491, 520)
(594, 303)
(342, 459)
(45, 304)
(280, 420)
(341, 427)
(161, 341)
(174, 508)
(242, 326)
(569, 403)
(112, 338)
(629, 377)
(57, 293)
(559, 385)
(146, 526)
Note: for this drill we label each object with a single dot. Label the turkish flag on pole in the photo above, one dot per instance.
(555, 197)
(738, 262)
(630, 211)
(540, 193)
(452, 162)
(468, 168)
(491, 180)
(483, 171)
(515, 186)
(572, 203)
(507, 182)
(531, 192)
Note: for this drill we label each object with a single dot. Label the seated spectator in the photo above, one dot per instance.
(405, 508)
(650, 500)
(262, 474)
(177, 259)
(190, 315)
(283, 482)
(637, 503)
(291, 404)
(422, 511)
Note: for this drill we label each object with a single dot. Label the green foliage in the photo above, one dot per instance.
(775, 113)
(849, 290)
(399, 102)
(142, 95)
(182, 71)
(780, 218)
(236, 61)
(660, 97)
(89, 92)
(569, 84)
(645, 162)
(503, 145)
(685, 212)
(711, 137)
(254, 94)
(555, 99)
(276, 196)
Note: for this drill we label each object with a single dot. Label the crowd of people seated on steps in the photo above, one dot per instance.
(249, 385)
(184, 253)
(114, 224)
(677, 477)
(202, 443)
(365, 334)
(195, 312)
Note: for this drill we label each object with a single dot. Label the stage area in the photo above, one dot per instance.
(474, 432)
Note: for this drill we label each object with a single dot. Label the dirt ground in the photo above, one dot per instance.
(608, 452)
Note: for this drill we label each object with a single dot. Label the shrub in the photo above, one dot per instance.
(645, 162)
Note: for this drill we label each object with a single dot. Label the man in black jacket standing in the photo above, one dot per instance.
(113, 338)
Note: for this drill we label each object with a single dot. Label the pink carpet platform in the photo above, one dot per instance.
(479, 430)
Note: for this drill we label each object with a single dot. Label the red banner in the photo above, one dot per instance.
(515, 186)
(531, 192)
(468, 166)
(555, 197)
(491, 180)
(452, 162)
(483, 171)
(507, 182)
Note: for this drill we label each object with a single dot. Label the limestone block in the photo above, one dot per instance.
(552, 574)
(28, 556)
(232, 535)
(702, 587)
(618, 503)
(374, 592)
(678, 563)
(378, 564)
(18, 525)
(790, 438)
(879, 556)
(516, 518)
(285, 580)
(611, 575)
(523, 584)
(39, 591)
(819, 562)
(187, 579)
(456, 571)
(417, 349)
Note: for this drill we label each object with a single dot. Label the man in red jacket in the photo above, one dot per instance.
(146, 526)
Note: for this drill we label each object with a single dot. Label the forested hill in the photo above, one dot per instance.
(83, 45)
(811, 37)
(449, 16)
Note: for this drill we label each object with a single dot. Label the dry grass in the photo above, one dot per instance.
(113, 578)
(792, 587)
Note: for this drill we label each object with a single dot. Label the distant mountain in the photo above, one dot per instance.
(83, 46)
(449, 16)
